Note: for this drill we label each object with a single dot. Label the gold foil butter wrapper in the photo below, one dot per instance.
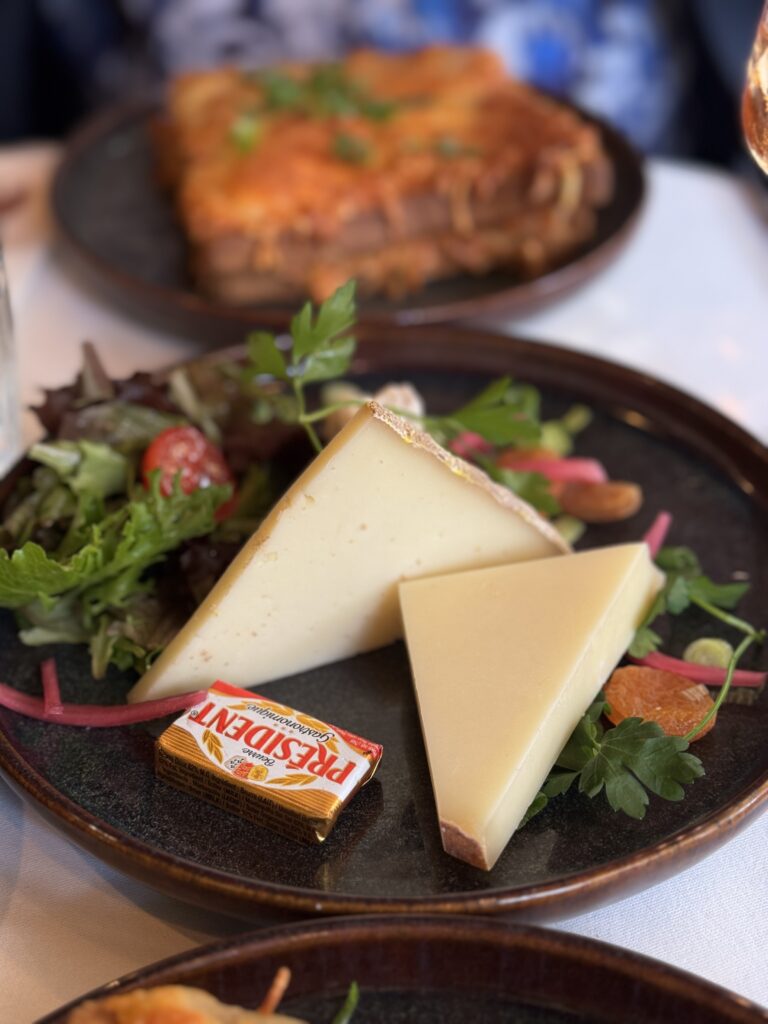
(267, 763)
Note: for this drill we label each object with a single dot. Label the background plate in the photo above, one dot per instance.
(446, 971)
(385, 854)
(121, 229)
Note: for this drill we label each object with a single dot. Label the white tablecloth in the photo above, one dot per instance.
(688, 301)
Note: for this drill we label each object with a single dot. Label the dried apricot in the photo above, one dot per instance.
(608, 502)
(675, 703)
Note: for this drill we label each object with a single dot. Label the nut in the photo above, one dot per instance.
(607, 502)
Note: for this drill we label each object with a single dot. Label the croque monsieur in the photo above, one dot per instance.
(169, 1004)
(393, 169)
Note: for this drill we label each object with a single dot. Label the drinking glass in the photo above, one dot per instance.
(9, 398)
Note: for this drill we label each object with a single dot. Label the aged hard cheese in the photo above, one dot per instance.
(505, 661)
(318, 581)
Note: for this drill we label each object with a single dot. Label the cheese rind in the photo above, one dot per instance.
(505, 661)
(317, 582)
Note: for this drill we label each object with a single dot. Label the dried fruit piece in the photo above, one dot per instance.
(675, 703)
(606, 502)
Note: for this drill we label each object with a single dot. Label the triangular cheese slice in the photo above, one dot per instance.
(318, 580)
(505, 662)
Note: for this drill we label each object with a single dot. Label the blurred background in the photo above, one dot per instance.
(668, 72)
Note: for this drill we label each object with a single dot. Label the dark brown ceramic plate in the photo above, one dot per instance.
(445, 970)
(98, 786)
(121, 230)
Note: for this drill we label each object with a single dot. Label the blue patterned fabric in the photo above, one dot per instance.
(611, 56)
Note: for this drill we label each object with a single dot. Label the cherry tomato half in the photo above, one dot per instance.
(188, 452)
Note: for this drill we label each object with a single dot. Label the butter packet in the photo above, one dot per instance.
(266, 762)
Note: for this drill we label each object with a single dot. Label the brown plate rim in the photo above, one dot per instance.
(165, 301)
(643, 973)
(625, 393)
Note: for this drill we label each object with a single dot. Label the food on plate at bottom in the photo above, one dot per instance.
(506, 660)
(317, 582)
(265, 762)
(170, 1004)
(182, 1004)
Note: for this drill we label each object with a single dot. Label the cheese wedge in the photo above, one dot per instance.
(505, 662)
(318, 580)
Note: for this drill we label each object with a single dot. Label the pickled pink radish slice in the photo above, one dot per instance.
(468, 444)
(710, 675)
(657, 533)
(98, 715)
(560, 470)
(51, 693)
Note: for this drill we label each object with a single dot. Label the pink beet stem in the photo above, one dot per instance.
(657, 533)
(51, 691)
(562, 470)
(707, 674)
(468, 444)
(98, 715)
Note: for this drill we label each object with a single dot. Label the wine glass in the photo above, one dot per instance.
(754, 104)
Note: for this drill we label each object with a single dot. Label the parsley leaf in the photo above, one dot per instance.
(246, 131)
(531, 487)
(351, 148)
(686, 584)
(346, 1011)
(625, 761)
(326, 92)
(317, 341)
(503, 414)
(319, 348)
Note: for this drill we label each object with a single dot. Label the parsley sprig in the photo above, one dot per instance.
(686, 584)
(635, 757)
(626, 761)
(320, 347)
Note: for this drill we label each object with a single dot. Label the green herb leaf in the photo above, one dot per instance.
(30, 573)
(644, 642)
(330, 361)
(336, 314)
(281, 92)
(686, 584)
(678, 559)
(265, 357)
(344, 1015)
(503, 414)
(677, 594)
(320, 349)
(326, 92)
(246, 131)
(107, 570)
(540, 801)
(351, 148)
(531, 487)
(722, 595)
(558, 782)
(87, 467)
(626, 762)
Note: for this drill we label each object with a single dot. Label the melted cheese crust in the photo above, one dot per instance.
(293, 182)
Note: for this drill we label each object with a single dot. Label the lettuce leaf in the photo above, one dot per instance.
(68, 598)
